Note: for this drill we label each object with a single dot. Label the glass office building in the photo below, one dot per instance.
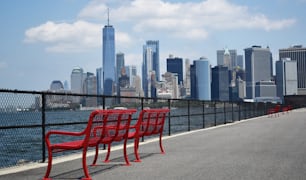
(150, 68)
(297, 53)
(108, 68)
(200, 79)
(258, 62)
(286, 77)
(175, 65)
(220, 83)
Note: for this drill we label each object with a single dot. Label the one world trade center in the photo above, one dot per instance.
(108, 59)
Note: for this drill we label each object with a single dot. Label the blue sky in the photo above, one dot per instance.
(42, 41)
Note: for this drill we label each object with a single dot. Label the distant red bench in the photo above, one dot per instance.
(286, 109)
(95, 133)
(274, 111)
(150, 122)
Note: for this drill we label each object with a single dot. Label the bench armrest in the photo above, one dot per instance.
(66, 133)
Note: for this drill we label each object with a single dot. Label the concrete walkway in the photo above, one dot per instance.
(260, 149)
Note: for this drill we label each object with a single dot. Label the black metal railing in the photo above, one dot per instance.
(26, 116)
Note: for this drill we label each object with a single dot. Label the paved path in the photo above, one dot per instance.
(260, 149)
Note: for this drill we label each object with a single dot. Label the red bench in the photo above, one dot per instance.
(94, 134)
(150, 122)
(274, 111)
(286, 109)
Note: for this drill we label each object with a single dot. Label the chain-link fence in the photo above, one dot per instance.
(26, 116)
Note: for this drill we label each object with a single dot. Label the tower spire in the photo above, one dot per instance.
(107, 16)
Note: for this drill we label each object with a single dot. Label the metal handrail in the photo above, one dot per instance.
(243, 110)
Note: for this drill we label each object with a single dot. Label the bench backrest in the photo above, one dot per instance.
(108, 123)
(151, 121)
(118, 124)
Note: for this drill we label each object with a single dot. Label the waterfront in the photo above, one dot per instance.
(255, 148)
(22, 142)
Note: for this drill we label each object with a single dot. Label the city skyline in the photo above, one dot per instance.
(43, 41)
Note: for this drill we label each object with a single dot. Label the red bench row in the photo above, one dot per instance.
(277, 109)
(105, 127)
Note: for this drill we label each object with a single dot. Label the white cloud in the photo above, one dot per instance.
(123, 39)
(64, 37)
(75, 37)
(138, 18)
(160, 16)
(95, 9)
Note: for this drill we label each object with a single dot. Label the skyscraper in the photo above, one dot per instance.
(66, 85)
(200, 79)
(219, 84)
(90, 87)
(175, 65)
(147, 70)
(90, 83)
(108, 55)
(257, 68)
(286, 77)
(154, 45)
(227, 60)
(187, 77)
(297, 53)
(227, 57)
(119, 65)
(56, 85)
(77, 78)
(150, 68)
(239, 61)
(131, 72)
(99, 76)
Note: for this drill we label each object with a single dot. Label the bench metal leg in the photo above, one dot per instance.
(85, 169)
(125, 154)
(108, 153)
(96, 155)
(161, 144)
(49, 165)
(136, 144)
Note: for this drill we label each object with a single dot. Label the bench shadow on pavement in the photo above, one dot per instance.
(99, 168)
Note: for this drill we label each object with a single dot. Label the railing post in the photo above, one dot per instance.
(245, 110)
(224, 111)
(215, 112)
(43, 125)
(169, 118)
(103, 102)
(188, 114)
(103, 105)
(253, 110)
(232, 111)
(239, 110)
(203, 114)
(264, 110)
(142, 106)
